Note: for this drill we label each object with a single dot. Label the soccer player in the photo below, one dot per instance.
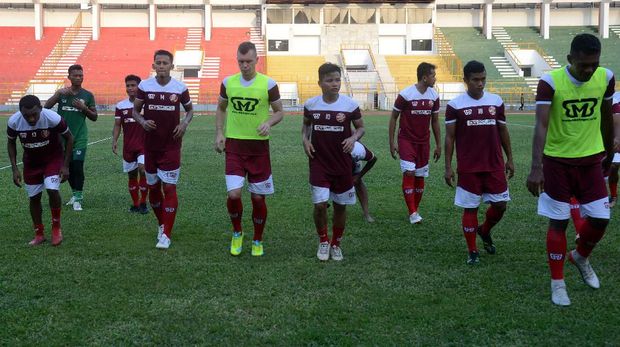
(328, 141)
(476, 126)
(133, 146)
(243, 104)
(574, 130)
(75, 105)
(417, 105)
(39, 130)
(613, 174)
(359, 154)
(162, 97)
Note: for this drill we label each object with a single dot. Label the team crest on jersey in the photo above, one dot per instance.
(45, 133)
(431, 103)
(492, 110)
(467, 112)
(414, 104)
(64, 101)
(125, 112)
(340, 117)
(151, 96)
(174, 98)
(23, 135)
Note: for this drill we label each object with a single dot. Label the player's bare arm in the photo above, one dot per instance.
(220, 116)
(349, 142)
(535, 179)
(64, 170)
(116, 132)
(392, 129)
(180, 129)
(276, 117)
(366, 168)
(306, 130)
(89, 112)
(617, 132)
(12, 150)
(147, 125)
(504, 137)
(449, 148)
(53, 100)
(437, 135)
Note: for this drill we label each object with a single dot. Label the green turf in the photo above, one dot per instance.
(398, 284)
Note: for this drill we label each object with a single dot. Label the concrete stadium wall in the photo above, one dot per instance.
(125, 18)
(179, 18)
(16, 17)
(233, 19)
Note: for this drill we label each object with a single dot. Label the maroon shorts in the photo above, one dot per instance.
(164, 160)
(130, 155)
(586, 183)
(35, 174)
(479, 183)
(417, 153)
(256, 167)
(336, 183)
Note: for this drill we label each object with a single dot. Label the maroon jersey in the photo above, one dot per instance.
(41, 142)
(331, 124)
(133, 133)
(162, 104)
(478, 144)
(616, 106)
(415, 113)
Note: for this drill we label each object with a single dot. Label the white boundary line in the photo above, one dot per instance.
(88, 144)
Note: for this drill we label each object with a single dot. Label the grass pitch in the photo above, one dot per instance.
(398, 284)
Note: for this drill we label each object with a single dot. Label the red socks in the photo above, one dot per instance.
(55, 218)
(235, 211)
(144, 190)
(418, 191)
(259, 216)
(38, 229)
(589, 236)
(556, 252)
(408, 192)
(493, 216)
(470, 224)
(155, 198)
(337, 236)
(322, 234)
(613, 189)
(170, 204)
(133, 191)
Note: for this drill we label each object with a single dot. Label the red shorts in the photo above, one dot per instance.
(417, 153)
(256, 167)
(164, 160)
(479, 183)
(35, 174)
(336, 183)
(586, 183)
(130, 155)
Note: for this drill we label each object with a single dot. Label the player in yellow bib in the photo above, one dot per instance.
(243, 106)
(573, 141)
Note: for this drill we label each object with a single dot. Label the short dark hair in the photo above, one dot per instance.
(29, 101)
(471, 67)
(328, 68)
(132, 78)
(585, 43)
(75, 67)
(424, 69)
(245, 47)
(163, 52)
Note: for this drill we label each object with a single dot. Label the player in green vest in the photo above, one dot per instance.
(75, 105)
(243, 106)
(573, 142)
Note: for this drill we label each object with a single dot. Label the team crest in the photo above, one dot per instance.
(45, 133)
(151, 96)
(64, 101)
(125, 112)
(431, 103)
(340, 117)
(23, 135)
(467, 112)
(492, 110)
(174, 98)
(414, 104)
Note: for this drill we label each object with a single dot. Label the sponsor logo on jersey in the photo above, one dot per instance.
(150, 96)
(36, 144)
(340, 117)
(130, 120)
(330, 128)
(161, 107)
(64, 101)
(414, 104)
(70, 109)
(492, 110)
(23, 135)
(125, 112)
(244, 104)
(579, 109)
(476, 122)
(174, 97)
(316, 115)
(467, 112)
(431, 103)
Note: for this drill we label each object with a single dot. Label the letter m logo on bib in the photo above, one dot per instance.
(582, 108)
(244, 104)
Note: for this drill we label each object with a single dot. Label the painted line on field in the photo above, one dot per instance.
(521, 125)
(88, 144)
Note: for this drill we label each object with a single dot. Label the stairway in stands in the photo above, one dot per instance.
(193, 42)
(54, 69)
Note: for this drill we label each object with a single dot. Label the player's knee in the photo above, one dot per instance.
(557, 224)
(133, 174)
(170, 189)
(320, 207)
(36, 198)
(409, 173)
(598, 223)
(257, 198)
(234, 194)
(500, 206)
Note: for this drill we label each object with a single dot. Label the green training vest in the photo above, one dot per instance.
(248, 107)
(575, 116)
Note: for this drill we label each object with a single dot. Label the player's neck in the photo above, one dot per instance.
(331, 98)
(76, 89)
(250, 76)
(163, 80)
(421, 87)
(132, 98)
(475, 95)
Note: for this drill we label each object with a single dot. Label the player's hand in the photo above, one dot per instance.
(347, 144)
(617, 144)
(179, 130)
(437, 153)
(309, 149)
(449, 176)
(219, 143)
(149, 125)
(510, 169)
(263, 129)
(79, 104)
(17, 177)
(607, 163)
(356, 179)
(64, 173)
(394, 150)
(114, 147)
(535, 181)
